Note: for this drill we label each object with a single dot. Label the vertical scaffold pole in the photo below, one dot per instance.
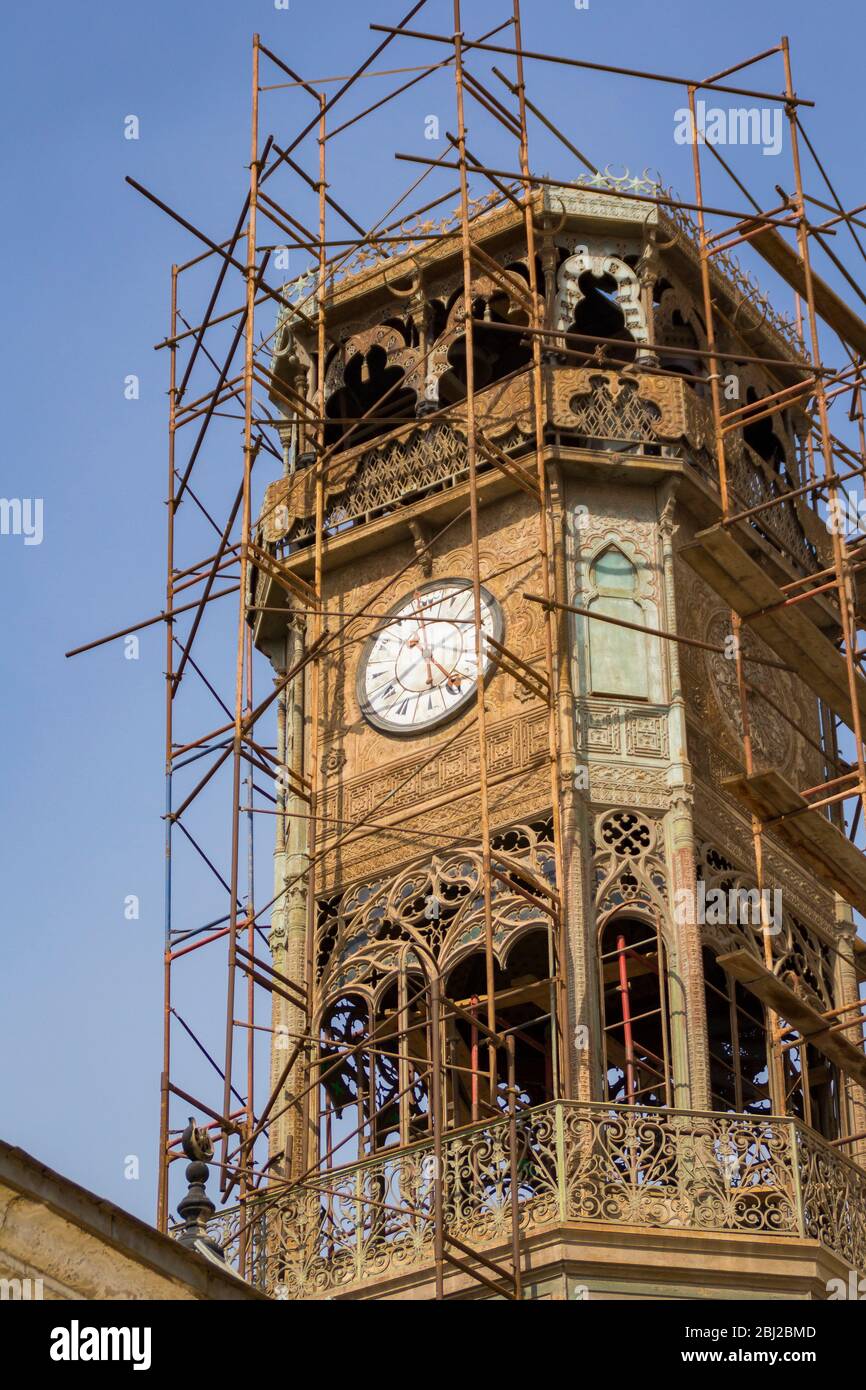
(562, 1053)
(472, 461)
(162, 1189)
(239, 713)
(310, 1120)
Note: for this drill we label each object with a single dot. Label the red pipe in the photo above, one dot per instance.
(473, 1057)
(626, 1018)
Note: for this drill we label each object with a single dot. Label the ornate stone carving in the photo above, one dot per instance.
(646, 735)
(629, 862)
(414, 459)
(628, 786)
(435, 907)
(724, 825)
(713, 701)
(598, 264)
(599, 404)
(676, 304)
(600, 729)
(333, 760)
(617, 730)
(383, 335)
(409, 782)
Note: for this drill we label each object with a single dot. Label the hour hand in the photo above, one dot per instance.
(453, 679)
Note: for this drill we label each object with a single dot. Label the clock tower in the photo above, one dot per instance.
(513, 870)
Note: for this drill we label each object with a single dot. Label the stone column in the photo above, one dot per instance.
(549, 266)
(689, 1048)
(848, 992)
(647, 270)
(583, 1026)
(287, 939)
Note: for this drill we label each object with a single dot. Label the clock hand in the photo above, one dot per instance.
(419, 640)
(421, 628)
(452, 678)
(416, 642)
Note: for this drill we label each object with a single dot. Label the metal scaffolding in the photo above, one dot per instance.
(232, 753)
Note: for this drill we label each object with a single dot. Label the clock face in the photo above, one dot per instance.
(420, 668)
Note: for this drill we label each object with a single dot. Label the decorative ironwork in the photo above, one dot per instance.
(429, 458)
(608, 407)
(437, 905)
(834, 1199)
(252, 1222)
(752, 482)
(652, 1168)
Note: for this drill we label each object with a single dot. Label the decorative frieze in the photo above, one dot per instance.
(622, 731)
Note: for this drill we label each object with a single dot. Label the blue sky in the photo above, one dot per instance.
(85, 298)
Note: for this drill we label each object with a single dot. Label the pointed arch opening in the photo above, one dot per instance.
(635, 1012)
(762, 437)
(374, 1070)
(808, 1083)
(495, 354)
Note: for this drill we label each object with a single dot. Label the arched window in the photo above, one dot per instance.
(374, 1071)
(739, 1066)
(737, 1040)
(637, 1068)
(368, 377)
(598, 314)
(676, 339)
(523, 1008)
(813, 1089)
(617, 655)
(495, 354)
(762, 437)
(599, 297)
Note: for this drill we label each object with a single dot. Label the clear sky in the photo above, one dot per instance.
(85, 298)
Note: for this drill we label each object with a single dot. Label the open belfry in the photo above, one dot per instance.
(557, 709)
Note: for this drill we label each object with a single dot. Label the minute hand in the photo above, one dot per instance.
(449, 675)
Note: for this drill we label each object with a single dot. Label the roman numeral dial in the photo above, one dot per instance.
(420, 668)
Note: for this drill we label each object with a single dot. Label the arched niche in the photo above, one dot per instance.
(359, 374)
(496, 354)
(522, 984)
(374, 1061)
(618, 655)
(599, 294)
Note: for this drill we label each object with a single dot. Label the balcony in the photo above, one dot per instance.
(606, 413)
(577, 1164)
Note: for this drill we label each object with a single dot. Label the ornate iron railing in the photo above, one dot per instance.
(615, 1165)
